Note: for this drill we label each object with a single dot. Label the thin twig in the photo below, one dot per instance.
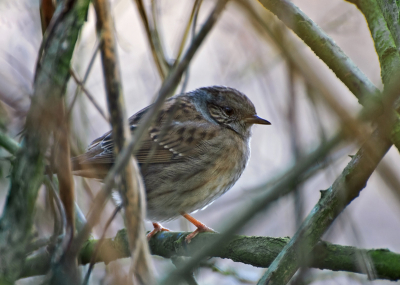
(85, 77)
(313, 78)
(99, 243)
(63, 220)
(190, 23)
(325, 48)
(154, 42)
(195, 13)
(131, 187)
(90, 97)
(8, 143)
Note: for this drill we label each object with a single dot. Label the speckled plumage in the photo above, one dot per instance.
(194, 152)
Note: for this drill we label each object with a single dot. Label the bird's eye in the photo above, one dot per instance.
(228, 111)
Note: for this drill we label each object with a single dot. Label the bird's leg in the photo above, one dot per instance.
(157, 228)
(200, 227)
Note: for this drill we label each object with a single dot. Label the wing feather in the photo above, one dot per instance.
(179, 137)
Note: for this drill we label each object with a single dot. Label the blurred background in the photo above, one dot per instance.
(240, 54)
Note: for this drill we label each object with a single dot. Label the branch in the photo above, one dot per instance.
(390, 11)
(325, 48)
(90, 96)
(131, 187)
(46, 13)
(345, 188)
(313, 78)
(62, 162)
(385, 46)
(154, 40)
(50, 83)
(8, 143)
(255, 251)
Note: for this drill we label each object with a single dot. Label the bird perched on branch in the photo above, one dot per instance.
(195, 151)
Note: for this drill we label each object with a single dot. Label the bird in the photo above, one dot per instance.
(195, 150)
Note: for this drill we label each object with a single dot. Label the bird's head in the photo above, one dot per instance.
(228, 107)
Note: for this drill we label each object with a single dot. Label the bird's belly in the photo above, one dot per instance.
(190, 188)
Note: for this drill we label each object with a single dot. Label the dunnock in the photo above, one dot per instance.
(195, 151)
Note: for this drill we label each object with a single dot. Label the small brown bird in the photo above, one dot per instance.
(194, 152)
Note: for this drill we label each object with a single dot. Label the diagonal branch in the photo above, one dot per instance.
(390, 11)
(8, 143)
(345, 188)
(385, 46)
(154, 40)
(325, 48)
(90, 96)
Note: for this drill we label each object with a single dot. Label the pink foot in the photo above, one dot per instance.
(200, 229)
(157, 228)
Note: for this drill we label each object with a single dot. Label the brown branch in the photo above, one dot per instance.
(153, 38)
(64, 172)
(46, 13)
(90, 96)
(131, 186)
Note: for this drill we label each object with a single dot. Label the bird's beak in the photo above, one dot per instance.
(256, 120)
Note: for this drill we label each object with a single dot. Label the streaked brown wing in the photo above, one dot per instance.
(171, 144)
(178, 137)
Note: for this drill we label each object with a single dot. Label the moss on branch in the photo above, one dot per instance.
(50, 82)
(254, 250)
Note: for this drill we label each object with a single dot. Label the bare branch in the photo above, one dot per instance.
(325, 48)
(8, 143)
(90, 96)
(131, 186)
(154, 40)
(253, 250)
(333, 200)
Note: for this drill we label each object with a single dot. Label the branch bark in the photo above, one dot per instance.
(385, 46)
(390, 11)
(51, 78)
(131, 186)
(256, 251)
(325, 48)
(345, 188)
